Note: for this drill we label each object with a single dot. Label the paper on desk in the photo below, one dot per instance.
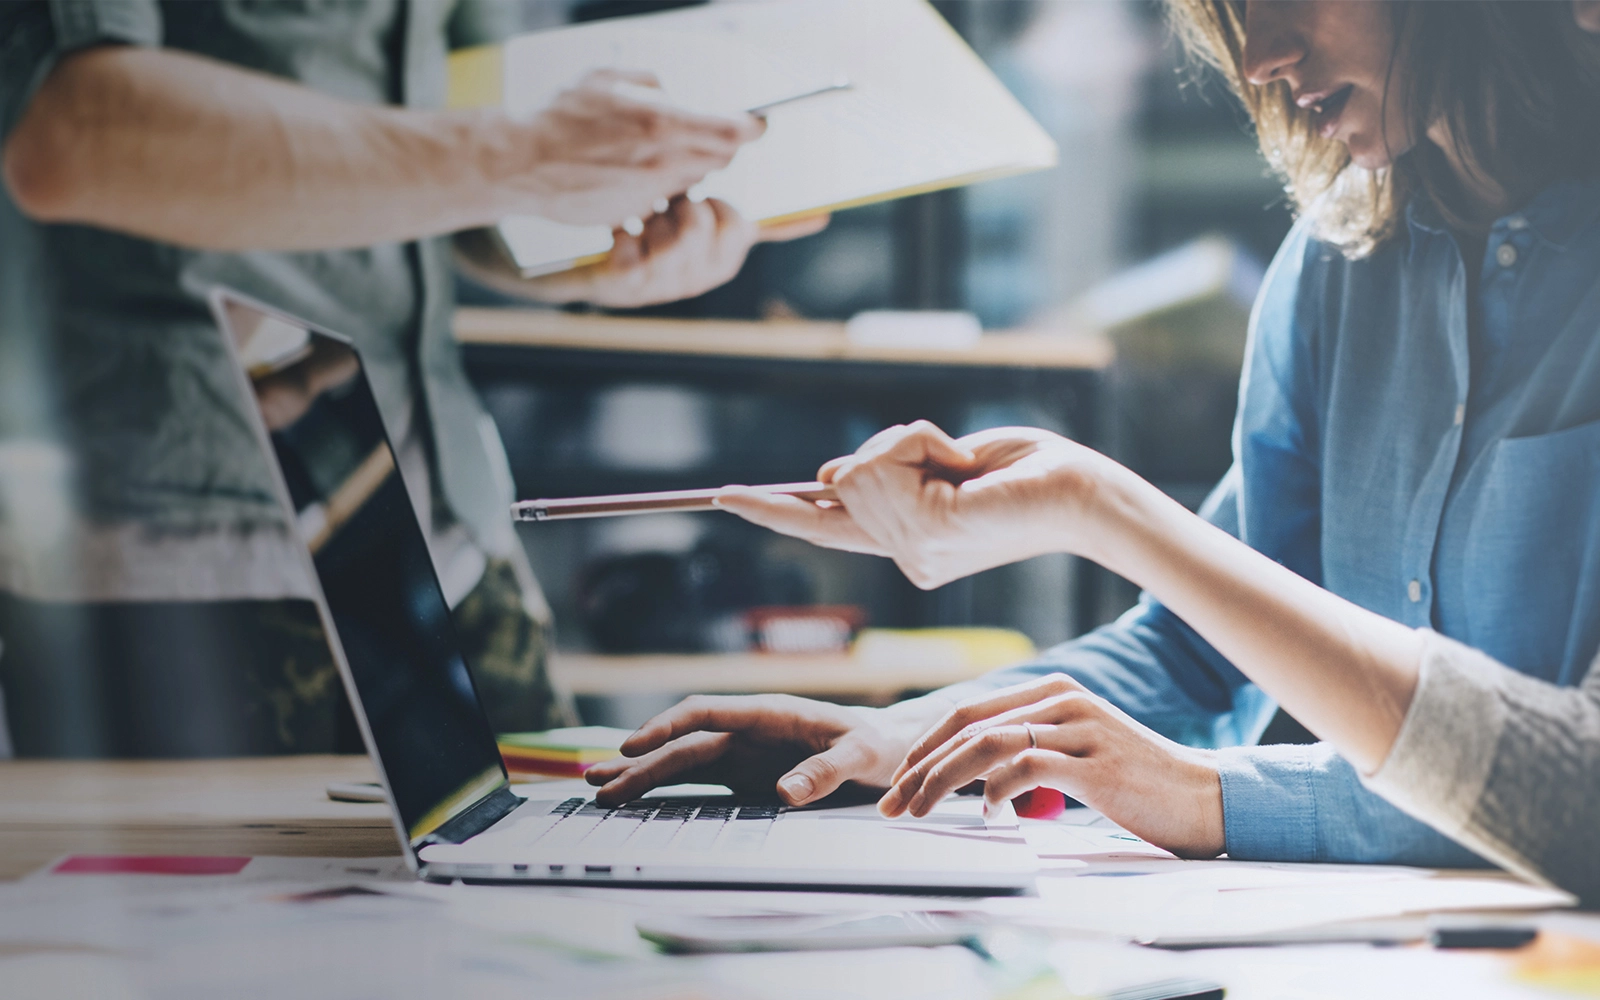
(210, 938)
(1076, 844)
(1338, 972)
(1186, 903)
(1090, 968)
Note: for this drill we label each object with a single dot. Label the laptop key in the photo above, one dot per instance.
(571, 830)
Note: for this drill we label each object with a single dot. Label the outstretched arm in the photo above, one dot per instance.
(944, 508)
(1346, 673)
(191, 151)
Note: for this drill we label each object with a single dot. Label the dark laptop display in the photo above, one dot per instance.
(422, 718)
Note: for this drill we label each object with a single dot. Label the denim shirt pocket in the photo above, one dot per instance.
(1533, 551)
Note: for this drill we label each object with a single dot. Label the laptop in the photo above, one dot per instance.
(455, 812)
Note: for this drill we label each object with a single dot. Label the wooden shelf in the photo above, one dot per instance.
(752, 673)
(777, 341)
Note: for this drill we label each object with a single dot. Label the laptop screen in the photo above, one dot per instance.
(422, 714)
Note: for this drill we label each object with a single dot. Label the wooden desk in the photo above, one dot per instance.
(276, 806)
(251, 806)
(753, 673)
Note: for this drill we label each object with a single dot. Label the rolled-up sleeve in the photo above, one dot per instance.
(1504, 763)
(35, 34)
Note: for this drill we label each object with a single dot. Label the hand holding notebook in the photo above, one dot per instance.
(921, 111)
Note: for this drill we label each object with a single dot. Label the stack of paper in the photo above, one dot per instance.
(563, 753)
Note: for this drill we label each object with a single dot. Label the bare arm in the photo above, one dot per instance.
(1346, 673)
(195, 152)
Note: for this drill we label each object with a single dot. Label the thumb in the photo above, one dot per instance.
(822, 775)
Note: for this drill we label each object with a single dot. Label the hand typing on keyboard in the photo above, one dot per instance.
(764, 745)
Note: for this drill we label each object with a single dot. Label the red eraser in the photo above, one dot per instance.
(1041, 803)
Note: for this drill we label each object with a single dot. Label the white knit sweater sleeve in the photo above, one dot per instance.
(1507, 765)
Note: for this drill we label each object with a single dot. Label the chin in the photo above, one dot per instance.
(1368, 155)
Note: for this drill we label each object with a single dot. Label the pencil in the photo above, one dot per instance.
(622, 504)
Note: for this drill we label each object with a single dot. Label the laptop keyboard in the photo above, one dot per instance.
(690, 825)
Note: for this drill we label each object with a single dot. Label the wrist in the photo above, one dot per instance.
(1113, 508)
(1207, 826)
(500, 159)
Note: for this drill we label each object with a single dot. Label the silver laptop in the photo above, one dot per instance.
(456, 814)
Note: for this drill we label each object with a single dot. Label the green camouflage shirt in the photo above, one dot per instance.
(127, 469)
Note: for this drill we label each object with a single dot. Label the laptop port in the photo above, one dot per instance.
(597, 869)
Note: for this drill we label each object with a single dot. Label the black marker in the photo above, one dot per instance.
(1502, 938)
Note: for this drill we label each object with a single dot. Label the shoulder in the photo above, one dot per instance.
(1283, 320)
(1312, 291)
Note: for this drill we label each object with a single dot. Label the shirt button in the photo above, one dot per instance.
(1516, 222)
(1461, 414)
(1506, 254)
(1414, 591)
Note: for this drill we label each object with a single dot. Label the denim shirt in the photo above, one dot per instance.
(1438, 472)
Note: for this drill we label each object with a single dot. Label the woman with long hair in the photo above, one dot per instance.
(1414, 510)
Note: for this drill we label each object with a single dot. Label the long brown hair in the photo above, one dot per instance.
(1515, 84)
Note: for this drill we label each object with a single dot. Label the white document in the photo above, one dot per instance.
(921, 111)
(1181, 903)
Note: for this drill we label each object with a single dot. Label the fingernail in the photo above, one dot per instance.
(797, 787)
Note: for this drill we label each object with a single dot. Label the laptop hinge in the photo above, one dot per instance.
(486, 812)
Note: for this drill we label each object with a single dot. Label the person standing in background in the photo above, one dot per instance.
(151, 597)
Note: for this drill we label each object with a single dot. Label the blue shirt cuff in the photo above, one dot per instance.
(1269, 806)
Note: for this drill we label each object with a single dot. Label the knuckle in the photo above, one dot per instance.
(1031, 766)
(991, 741)
(1059, 684)
(822, 769)
(652, 122)
(967, 711)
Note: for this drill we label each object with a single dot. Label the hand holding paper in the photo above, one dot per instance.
(603, 151)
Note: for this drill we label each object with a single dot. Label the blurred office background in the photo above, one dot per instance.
(1152, 232)
(1154, 229)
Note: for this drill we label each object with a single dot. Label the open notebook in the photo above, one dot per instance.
(921, 112)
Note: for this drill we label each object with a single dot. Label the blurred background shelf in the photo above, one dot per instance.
(595, 405)
(835, 676)
(485, 330)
